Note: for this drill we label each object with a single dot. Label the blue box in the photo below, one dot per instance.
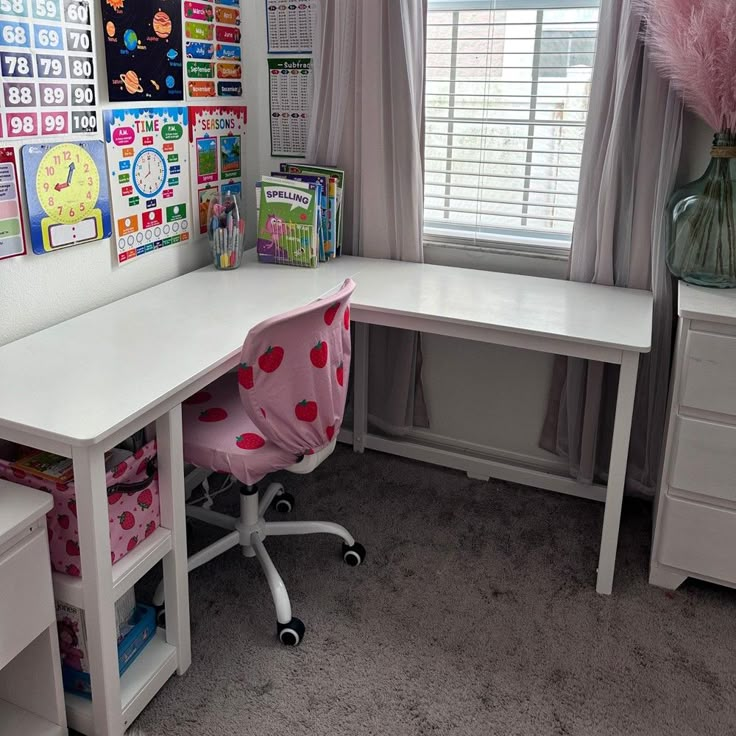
(132, 644)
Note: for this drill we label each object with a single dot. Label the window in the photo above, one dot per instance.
(508, 83)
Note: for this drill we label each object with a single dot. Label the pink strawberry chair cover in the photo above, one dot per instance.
(287, 398)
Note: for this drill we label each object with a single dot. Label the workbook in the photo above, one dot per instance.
(334, 204)
(289, 225)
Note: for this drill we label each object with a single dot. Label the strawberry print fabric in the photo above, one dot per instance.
(133, 516)
(287, 398)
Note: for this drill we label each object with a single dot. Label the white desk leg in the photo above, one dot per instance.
(99, 609)
(617, 471)
(173, 517)
(360, 386)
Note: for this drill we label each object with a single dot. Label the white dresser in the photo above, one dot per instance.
(695, 520)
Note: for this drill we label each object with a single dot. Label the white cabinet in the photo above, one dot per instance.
(695, 520)
(31, 697)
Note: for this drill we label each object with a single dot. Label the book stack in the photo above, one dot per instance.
(299, 215)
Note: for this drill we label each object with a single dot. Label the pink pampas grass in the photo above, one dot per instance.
(693, 42)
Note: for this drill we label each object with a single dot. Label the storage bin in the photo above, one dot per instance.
(144, 629)
(132, 496)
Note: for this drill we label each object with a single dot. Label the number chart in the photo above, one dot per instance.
(216, 134)
(12, 237)
(148, 154)
(289, 27)
(68, 198)
(47, 69)
(212, 49)
(290, 98)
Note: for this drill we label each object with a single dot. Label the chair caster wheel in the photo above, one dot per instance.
(354, 555)
(292, 633)
(284, 503)
(161, 617)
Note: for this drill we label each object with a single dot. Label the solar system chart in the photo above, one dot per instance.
(143, 50)
(148, 156)
(47, 69)
(216, 135)
(212, 47)
(66, 189)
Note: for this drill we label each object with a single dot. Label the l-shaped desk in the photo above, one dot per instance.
(84, 385)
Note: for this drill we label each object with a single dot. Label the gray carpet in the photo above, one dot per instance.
(475, 613)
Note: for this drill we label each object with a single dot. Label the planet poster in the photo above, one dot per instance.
(216, 138)
(143, 50)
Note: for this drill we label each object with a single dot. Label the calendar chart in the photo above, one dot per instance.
(47, 70)
(290, 90)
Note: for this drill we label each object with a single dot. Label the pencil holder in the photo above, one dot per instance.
(226, 231)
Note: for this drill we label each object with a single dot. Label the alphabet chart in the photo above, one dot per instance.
(216, 134)
(290, 88)
(12, 238)
(212, 48)
(148, 156)
(47, 68)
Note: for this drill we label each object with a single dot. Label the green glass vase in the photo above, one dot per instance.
(702, 222)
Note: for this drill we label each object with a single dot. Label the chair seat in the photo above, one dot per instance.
(219, 435)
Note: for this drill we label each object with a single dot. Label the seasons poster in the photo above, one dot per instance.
(143, 49)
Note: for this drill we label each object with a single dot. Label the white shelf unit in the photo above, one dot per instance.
(31, 698)
(139, 683)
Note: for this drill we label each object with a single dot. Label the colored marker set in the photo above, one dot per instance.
(226, 231)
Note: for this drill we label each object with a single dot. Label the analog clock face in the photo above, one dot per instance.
(67, 183)
(149, 172)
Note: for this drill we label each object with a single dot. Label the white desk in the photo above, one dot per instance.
(86, 384)
(581, 320)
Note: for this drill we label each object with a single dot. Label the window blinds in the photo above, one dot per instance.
(507, 91)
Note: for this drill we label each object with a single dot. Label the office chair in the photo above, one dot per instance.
(281, 411)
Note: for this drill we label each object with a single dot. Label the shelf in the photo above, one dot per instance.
(141, 681)
(125, 573)
(15, 721)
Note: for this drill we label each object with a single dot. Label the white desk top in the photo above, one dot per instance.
(579, 313)
(19, 508)
(713, 305)
(82, 380)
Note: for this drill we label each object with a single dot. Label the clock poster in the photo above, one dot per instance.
(216, 135)
(67, 194)
(143, 50)
(148, 156)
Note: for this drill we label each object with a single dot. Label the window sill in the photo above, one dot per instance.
(504, 257)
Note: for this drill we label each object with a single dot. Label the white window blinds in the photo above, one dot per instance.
(508, 83)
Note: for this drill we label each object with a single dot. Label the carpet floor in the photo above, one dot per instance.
(475, 614)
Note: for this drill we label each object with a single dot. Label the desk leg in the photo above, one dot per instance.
(99, 609)
(360, 386)
(173, 517)
(617, 471)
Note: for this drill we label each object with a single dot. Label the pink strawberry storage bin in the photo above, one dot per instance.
(133, 502)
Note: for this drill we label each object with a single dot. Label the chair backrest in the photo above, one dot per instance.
(293, 373)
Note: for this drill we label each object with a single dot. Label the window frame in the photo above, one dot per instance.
(538, 245)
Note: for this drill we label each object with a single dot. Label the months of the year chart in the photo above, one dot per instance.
(47, 75)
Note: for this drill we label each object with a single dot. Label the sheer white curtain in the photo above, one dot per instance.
(630, 159)
(368, 118)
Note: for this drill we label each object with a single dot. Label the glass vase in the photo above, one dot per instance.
(702, 222)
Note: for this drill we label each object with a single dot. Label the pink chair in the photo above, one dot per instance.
(281, 411)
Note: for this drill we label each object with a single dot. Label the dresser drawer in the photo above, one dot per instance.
(27, 601)
(710, 373)
(704, 458)
(698, 539)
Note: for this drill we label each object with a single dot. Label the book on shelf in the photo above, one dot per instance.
(57, 468)
(289, 221)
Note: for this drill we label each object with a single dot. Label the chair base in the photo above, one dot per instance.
(250, 531)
